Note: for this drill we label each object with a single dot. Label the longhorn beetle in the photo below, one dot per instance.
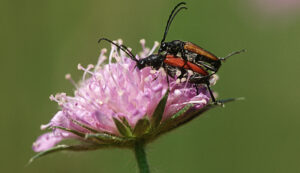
(190, 51)
(170, 63)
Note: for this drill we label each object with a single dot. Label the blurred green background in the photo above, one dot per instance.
(41, 41)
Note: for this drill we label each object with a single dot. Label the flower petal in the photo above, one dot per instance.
(46, 141)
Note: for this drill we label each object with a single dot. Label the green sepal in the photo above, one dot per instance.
(125, 122)
(71, 131)
(174, 120)
(84, 126)
(105, 137)
(123, 129)
(159, 111)
(182, 111)
(82, 147)
(141, 127)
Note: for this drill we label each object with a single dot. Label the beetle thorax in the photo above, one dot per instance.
(174, 46)
(155, 61)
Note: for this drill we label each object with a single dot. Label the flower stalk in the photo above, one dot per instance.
(140, 155)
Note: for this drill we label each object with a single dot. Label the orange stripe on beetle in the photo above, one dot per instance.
(198, 50)
(179, 62)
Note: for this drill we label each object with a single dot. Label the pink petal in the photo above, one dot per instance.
(46, 141)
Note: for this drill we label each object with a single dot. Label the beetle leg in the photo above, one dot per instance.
(232, 53)
(210, 92)
(167, 72)
(196, 89)
(183, 72)
(183, 57)
(216, 102)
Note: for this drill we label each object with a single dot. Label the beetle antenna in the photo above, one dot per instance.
(181, 8)
(171, 17)
(129, 53)
(122, 47)
(233, 53)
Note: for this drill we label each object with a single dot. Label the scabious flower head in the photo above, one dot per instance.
(115, 104)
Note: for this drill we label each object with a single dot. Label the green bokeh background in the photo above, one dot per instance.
(41, 41)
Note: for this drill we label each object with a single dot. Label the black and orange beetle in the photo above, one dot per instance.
(180, 56)
(190, 51)
(157, 61)
(171, 64)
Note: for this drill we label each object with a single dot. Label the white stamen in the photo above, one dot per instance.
(45, 126)
(113, 51)
(193, 102)
(87, 70)
(143, 43)
(216, 95)
(177, 81)
(213, 79)
(79, 67)
(178, 72)
(187, 81)
(63, 94)
(183, 80)
(103, 51)
(111, 54)
(109, 62)
(69, 78)
(117, 56)
(196, 102)
(122, 53)
(190, 72)
(120, 41)
(60, 98)
(52, 98)
(90, 66)
(101, 58)
(156, 44)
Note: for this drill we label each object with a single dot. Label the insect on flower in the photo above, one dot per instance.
(117, 105)
(190, 51)
(173, 66)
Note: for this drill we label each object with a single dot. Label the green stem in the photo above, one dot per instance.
(140, 156)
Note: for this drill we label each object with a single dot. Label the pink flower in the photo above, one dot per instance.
(116, 103)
